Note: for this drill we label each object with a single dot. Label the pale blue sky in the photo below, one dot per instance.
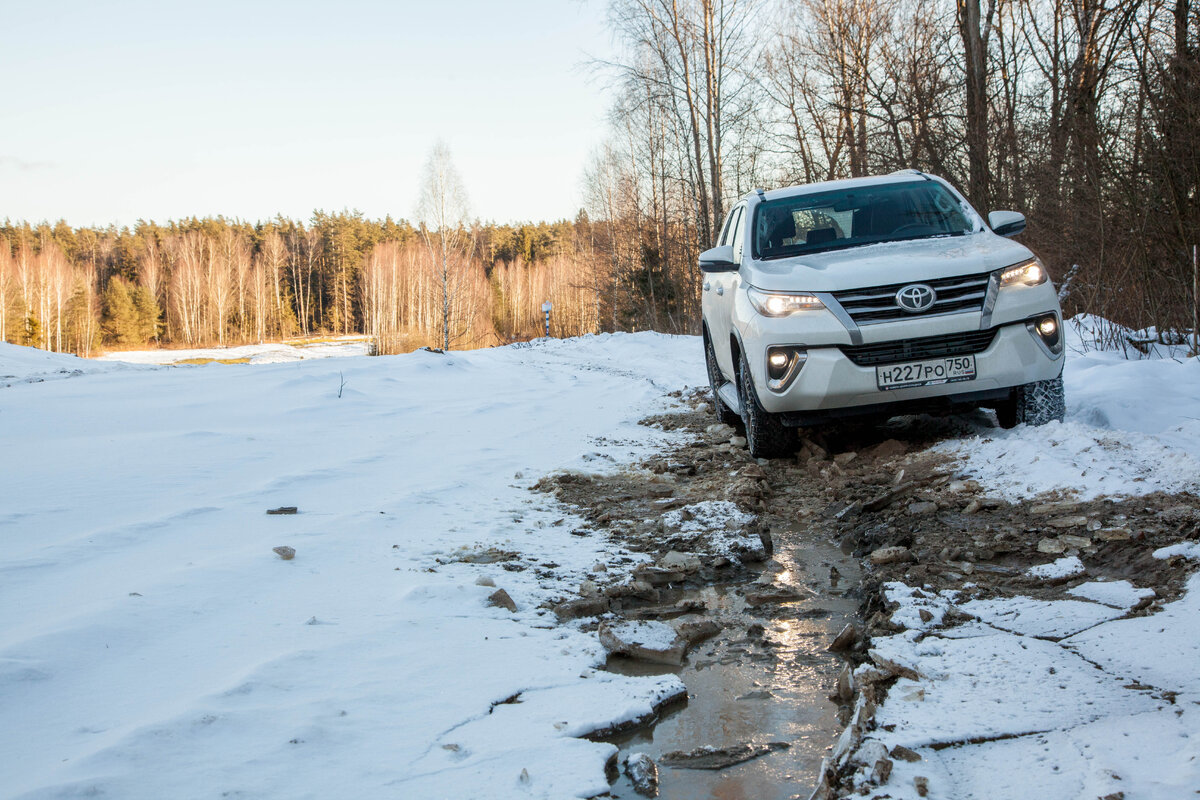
(118, 110)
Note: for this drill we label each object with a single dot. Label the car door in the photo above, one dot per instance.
(719, 288)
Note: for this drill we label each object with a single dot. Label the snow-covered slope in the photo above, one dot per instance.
(152, 644)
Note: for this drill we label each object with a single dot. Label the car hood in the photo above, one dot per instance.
(886, 263)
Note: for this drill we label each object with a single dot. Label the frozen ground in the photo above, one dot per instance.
(152, 645)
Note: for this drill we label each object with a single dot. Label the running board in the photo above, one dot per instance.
(729, 397)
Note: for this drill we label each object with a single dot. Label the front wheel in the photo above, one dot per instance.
(1033, 404)
(766, 435)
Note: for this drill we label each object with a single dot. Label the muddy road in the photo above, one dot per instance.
(771, 572)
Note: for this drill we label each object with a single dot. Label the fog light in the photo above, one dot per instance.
(783, 364)
(1046, 330)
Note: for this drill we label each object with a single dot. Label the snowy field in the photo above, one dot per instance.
(153, 645)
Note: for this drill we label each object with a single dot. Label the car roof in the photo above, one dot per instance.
(903, 176)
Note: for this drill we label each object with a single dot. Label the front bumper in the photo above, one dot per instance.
(830, 381)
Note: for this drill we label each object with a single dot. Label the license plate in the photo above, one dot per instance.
(925, 373)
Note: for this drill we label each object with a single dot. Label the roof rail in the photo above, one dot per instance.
(912, 172)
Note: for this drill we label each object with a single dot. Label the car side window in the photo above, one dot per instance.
(727, 231)
(738, 235)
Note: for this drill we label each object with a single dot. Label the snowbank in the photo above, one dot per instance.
(1132, 427)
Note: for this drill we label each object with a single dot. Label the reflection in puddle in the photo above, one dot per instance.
(765, 678)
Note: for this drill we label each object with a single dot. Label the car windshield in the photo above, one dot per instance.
(810, 223)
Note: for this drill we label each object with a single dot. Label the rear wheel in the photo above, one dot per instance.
(1033, 404)
(766, 435)
(715, 379)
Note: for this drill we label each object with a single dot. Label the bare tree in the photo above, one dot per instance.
(443, 213)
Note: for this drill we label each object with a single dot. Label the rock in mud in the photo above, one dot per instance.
(1051, 546)
(656, 642)
(845, 684)
(1077, 521)
(643, 774)
(768, 543)
(680, 562)
(890, 555)
(922, 507)
(887, 498)
(889, 448)
(698, 631)
(747, 490)
(719, 430)
(719, 757)
(842, 459)
(658, 576)
(583, 607)
(501, 599)
(285, 552)
(844, 640)
(774, 594)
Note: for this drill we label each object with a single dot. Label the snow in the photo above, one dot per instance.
(997, 713)
(1118, 594)
(1161, 650)
(153, 643)
(269, 353)
(652, 635)
(1065, 567)
(1051, 619)
(1132, 427)
(1186, 549)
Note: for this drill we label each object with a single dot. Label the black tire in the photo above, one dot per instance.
(724, 413)
(766, 435)
(1033, 404)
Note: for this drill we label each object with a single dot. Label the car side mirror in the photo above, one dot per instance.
(1006, 223)
(718, 259)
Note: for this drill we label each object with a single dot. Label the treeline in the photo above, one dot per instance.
(201, 282)
(1084, 115)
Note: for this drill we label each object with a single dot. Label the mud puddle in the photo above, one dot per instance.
(767, 677)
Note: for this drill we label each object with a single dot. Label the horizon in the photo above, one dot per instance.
(151, 113)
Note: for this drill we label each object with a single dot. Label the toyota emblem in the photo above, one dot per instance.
(916, 297)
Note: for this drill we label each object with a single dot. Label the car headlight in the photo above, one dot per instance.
(1027, 273)
(777, 304)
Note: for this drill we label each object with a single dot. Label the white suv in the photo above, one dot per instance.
(884, 295)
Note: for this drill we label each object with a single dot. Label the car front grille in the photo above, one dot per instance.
(954, 344)
(878, 303)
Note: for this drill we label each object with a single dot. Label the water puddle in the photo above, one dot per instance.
(765, 678)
